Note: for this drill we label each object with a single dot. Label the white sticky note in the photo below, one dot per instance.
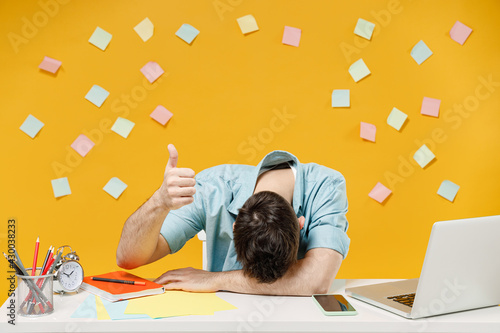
(379, 193)
(60, 187)
(396, 119)
(291, 36)
(161, 114)
(430, 107)
(115, 187)
(97, 95)
(359, 70)
(460, 32)
(152, 71)
(50, 65)
(187, 33)
(368, 131)
(364, 29)
(341, 98)
(420, 52)
(122, 127)
(100, 38)
(145, 29)
(31, 126)
(82, 145)
(423, 156)
(448, 190)
(247, 24)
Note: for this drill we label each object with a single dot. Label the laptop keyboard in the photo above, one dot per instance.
(406, 299)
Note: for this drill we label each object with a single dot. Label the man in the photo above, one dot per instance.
(278, 228)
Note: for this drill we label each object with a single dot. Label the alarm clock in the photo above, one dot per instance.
(69, 272)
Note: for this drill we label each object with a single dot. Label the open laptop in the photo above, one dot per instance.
(461, 271)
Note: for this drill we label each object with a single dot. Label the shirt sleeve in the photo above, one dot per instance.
(184, 223)
(328, 225)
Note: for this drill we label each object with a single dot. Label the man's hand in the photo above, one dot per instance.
(177, 189)
(189, 279)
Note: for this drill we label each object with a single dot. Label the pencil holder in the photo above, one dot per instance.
(34, 294)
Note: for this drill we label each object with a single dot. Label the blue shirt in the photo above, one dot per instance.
(319, 195)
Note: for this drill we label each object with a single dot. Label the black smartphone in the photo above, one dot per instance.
(334, 305)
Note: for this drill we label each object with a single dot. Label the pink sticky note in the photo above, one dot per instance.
(152, 71)
(82, 145)
(291, 36)
(379, 193)
(50, 65)
(460, 32)
(368, 131)
(161, 115)
(430, 107)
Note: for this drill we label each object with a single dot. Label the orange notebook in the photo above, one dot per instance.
(113, 292)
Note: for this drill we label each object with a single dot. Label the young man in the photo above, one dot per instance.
(278, 228)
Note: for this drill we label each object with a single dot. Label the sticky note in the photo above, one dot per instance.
(460, 32)
(367, 131)
(364, 29)
(122, 127)
(116, 310)
(145, 29)
(100, 38)
(423, 156)
(396, 118)
(379, 193)
(87, 309)
(115, 187)
(31, 126)
(82, 145)
(161, 114)
(60, 187)
(50, 65)
(97, 95)
(359, 70)
(291, 36)
(152, 71)
(247, 24)
(102, 314)
(187, 33)
(420, 52)
(448, 190)
(341, 98)
(430, 107)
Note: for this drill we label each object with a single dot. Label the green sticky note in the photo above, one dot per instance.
(448, 190)
(396, 119)
(423, 156)
(359, 70)
(122, 127)
(115, 187)
(100, 38)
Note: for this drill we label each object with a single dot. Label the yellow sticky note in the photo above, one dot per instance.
(359, 70)
(423, 156)
(247, 24)
(102, 314)
(145, 29)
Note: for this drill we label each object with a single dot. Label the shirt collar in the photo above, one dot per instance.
(247, 186)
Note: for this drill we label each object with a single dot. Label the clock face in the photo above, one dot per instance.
(70, 275)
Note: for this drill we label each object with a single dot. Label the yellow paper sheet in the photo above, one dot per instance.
(177, 303)
(102, 314)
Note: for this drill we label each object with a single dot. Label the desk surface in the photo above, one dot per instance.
(261, 314)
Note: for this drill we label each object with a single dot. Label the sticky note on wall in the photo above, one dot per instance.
(368, 131)
(115, 187)
(359, 70)
(423, 156)
(97, 95)
(145, 29)
(50, 65)
(100, 38)
(161, 114)
(364, 29)
(60, 187)
(396, 119)
(341, 98)
(460, 32)
(420, 52)
(247, 24)
(448, 190)
(122, 127)
(82, 145)
(291, 36)
(31, 126)
(379, 193)
(152, 71)
(430, 107)
(187, 33)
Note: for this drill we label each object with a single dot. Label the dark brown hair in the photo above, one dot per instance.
(266, 236)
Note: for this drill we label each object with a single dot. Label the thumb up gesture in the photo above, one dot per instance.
(177, 189)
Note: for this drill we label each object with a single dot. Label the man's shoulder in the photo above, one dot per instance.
(225, 172)
(318, 172)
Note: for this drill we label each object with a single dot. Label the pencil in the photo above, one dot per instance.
(46, 260)
(118, 281)
(13, 264)
(35, 256)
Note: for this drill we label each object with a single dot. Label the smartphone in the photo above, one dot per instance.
(334, 305)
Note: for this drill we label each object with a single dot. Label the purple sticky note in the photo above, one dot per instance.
(82, 145)
(430, 107)
(368, 131)
(291, 36)
(50, 65)
(460, 32)
(379, 193)
(161, 114)
(152, 71)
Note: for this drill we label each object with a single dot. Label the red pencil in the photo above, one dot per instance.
(35, 257)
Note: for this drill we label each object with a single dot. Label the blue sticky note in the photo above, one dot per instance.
(100, 38)
(448, 190)
(31, 126)
(87, 309)
(97, 95)
(420, 52)
(61, 187)
(116, 310)
(187, 33)
(341, 98)
(115, 187)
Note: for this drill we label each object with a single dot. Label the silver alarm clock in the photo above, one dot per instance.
(69, 272)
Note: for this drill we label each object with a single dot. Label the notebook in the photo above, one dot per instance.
(113, 292)
(460, 272)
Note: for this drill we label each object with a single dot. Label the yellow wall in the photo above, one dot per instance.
(225, 90)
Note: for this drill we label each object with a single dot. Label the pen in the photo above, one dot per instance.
(35, 256)
(118, 281)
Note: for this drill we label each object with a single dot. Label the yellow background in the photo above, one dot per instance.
(227, 92)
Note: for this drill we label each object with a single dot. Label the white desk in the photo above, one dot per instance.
(262, 314)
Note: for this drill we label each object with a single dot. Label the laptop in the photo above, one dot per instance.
(461, 271)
